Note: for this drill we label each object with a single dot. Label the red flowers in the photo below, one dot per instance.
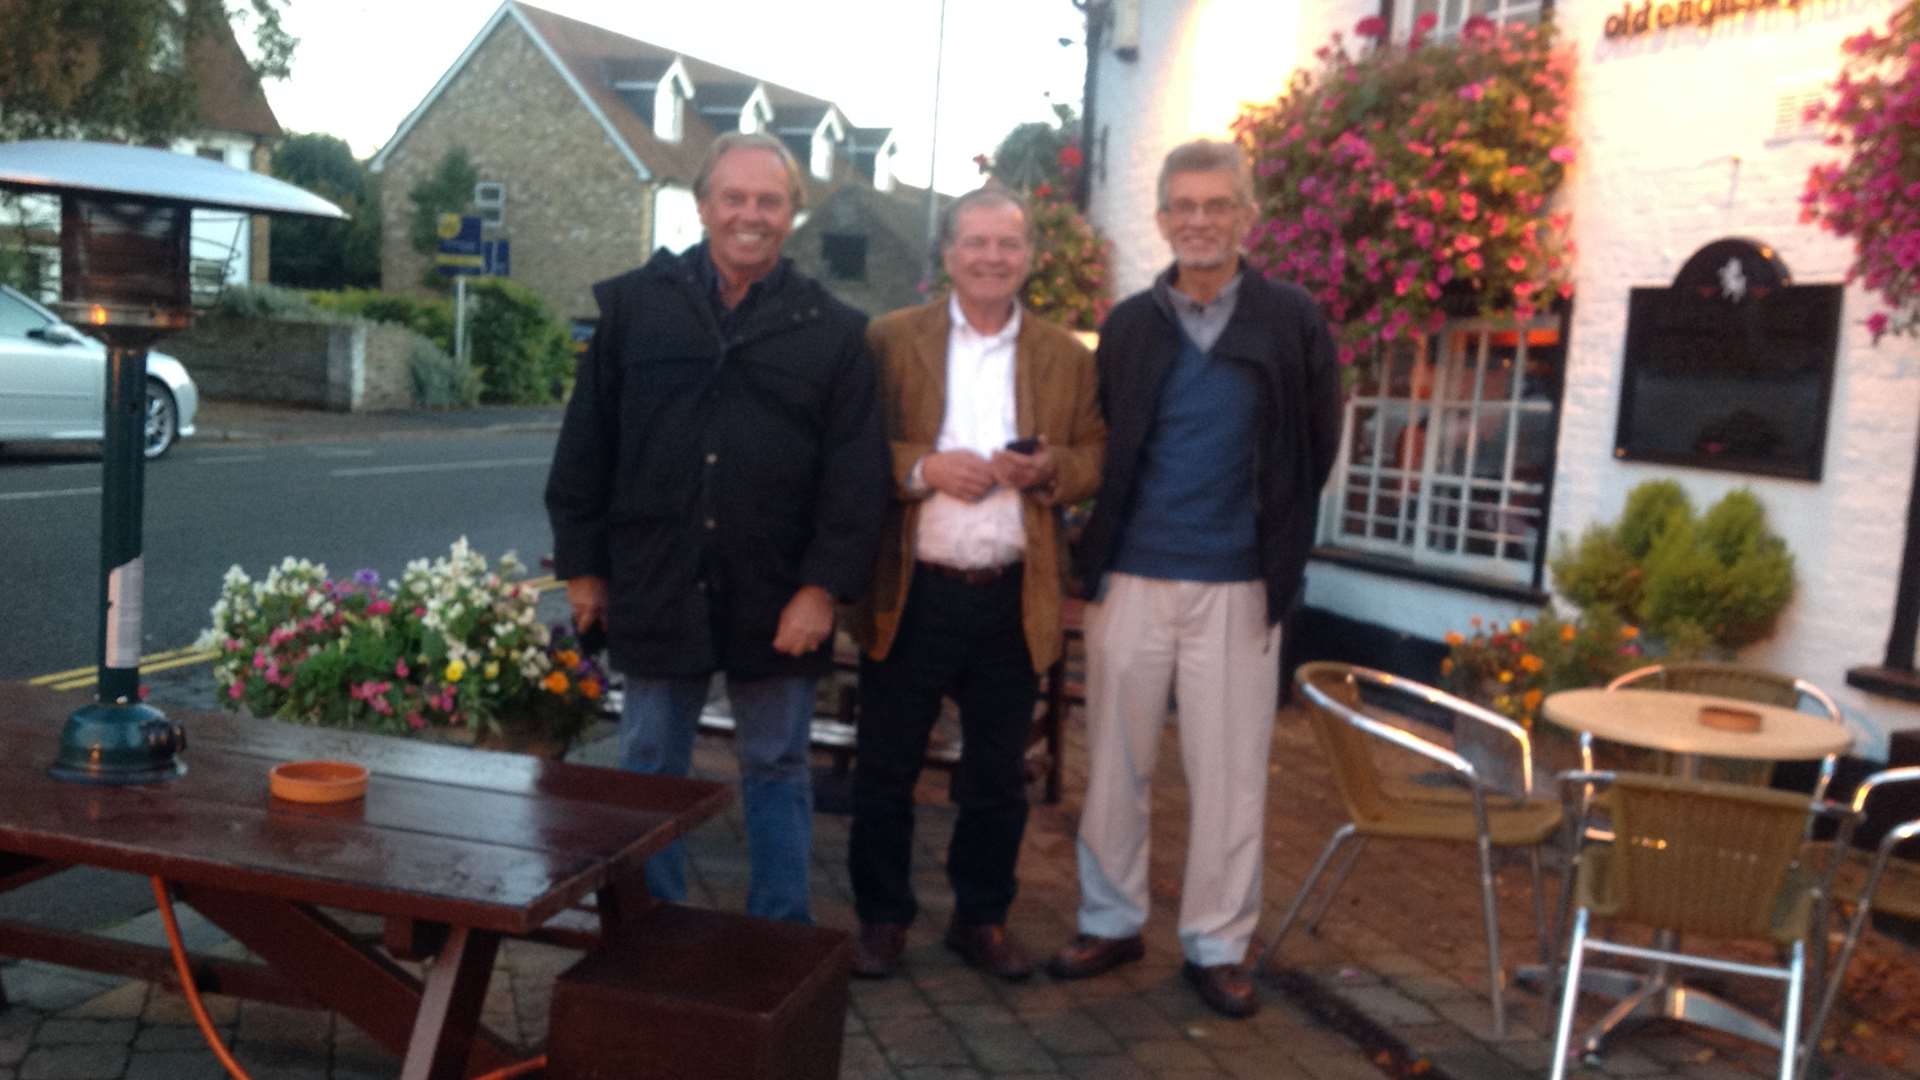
(1070, 157)
(1373, 26)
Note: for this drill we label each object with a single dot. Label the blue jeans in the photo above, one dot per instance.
(771, 718)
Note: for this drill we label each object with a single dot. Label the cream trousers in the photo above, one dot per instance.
(1209, 643)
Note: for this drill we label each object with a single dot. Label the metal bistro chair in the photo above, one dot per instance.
(1693, 857)
(1494, 811)
(1881, 881)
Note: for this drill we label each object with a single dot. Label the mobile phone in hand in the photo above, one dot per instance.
(1024, 446)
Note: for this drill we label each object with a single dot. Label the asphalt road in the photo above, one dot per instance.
(351, 505)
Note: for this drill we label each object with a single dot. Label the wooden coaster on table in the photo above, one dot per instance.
(1725, 718)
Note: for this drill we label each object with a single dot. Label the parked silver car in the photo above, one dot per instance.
(53, 382)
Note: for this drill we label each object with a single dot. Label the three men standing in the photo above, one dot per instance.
(719, 483)
(994, 424)
(1221, 396)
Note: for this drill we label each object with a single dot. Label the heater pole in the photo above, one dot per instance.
(123, 480)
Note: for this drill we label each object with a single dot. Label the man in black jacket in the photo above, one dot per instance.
(719, 483)
(1221, 395)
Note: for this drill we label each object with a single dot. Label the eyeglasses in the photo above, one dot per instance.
(1212, 208)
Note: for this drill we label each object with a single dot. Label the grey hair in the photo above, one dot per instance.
(990, 195)
(1208, 155)
(757, 140)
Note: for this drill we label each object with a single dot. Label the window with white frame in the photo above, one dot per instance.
(1450, 15)
(1447, 449)
(669, 110)
(490, 203)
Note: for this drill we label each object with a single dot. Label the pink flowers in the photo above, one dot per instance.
(1373, 26)
(1561, 154)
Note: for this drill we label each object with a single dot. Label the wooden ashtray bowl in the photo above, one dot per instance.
(318, 781)
(1723, 718)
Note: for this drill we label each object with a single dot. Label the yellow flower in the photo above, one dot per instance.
(555, 683)
(1629, 632)
(455, 671)
(1531, 663)
(1506, 676)
(1568, 631)
(492, 670)
(1531, 699)
(1446, 666)
(1502, 701)
(1520, 626)
(1454, 638)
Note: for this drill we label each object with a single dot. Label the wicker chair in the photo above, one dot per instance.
(1490, 807)
(1693, 857)
(1866, 882)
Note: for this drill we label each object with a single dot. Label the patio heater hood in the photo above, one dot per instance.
(126, 215)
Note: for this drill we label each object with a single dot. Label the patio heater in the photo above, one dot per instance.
(126, 218)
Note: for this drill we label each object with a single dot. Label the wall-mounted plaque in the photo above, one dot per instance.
(1731, 367)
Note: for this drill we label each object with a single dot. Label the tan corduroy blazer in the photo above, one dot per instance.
(1055, 394)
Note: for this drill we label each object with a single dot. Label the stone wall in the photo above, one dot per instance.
(344, 366)
(576, 211)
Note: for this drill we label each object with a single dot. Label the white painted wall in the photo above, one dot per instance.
(676, 220)
(1678, 147)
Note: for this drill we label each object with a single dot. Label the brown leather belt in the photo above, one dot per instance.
(984, 575)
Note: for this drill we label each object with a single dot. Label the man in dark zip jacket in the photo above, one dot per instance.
(1221, 396)
(719, 484)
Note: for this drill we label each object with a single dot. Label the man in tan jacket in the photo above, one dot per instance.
(994, 425)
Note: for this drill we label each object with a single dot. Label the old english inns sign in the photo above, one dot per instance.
(1631, 21)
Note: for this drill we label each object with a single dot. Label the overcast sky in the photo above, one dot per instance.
(362, 65)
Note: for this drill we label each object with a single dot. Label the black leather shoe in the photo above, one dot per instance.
(1226, 988)
(877, 949)
(991, 950)
(1087, 956)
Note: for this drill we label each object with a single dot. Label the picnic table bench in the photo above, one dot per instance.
(455, 849)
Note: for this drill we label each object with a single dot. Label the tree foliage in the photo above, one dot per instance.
(1041, 161)
(314, 254)
(118, 69)
(447, 190)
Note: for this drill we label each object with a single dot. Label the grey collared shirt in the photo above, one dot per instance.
(1202, 322)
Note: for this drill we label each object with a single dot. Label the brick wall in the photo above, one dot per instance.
(576, 211)
(1677, 143)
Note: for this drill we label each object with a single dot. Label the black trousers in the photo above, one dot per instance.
(967, 642)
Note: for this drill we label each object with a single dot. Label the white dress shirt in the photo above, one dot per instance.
(979, 417)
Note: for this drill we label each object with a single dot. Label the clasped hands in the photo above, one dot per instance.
(965, 475)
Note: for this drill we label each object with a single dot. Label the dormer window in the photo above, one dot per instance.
(827, 137)
(883, 165)
(757, 114)
(670, 103)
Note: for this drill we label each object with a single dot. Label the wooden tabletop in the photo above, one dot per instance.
(487, 840)
(1669, 720)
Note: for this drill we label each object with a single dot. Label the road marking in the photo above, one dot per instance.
(442, 466)
(228, 459)
(55, 493)
(56, 676)
(338, 452)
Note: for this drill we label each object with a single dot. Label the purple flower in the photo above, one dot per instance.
(368, 578)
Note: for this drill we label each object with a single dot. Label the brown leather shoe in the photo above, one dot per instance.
(991, 950)
(1227, 988)
(1086, 956)
(877, 949)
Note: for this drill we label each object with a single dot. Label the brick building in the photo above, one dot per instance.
(1687, 134)
(586, 143)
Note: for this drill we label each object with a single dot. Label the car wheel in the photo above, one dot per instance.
(162, 420)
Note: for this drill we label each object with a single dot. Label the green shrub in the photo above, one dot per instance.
(1511, 668)
(440, 381)
(520, 350)
(265, 302)
(1712, 584)
(432, 318)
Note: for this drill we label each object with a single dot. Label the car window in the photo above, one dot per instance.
(17, 318)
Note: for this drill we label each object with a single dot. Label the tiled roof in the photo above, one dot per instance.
(230, 98)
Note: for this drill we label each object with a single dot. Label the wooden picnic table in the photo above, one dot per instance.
(454, 848)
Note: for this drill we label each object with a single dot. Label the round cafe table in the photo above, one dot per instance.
(1670, 720)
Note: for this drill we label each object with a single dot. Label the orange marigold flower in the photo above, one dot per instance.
(1532, 663)
(590, 689)
(1629, 632)
(1454, 638)
(1531, 699)
(1506, 676)
(1568, 632)
(567, 658)
(1446, 666)
(1521, 626)
(554, 683)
